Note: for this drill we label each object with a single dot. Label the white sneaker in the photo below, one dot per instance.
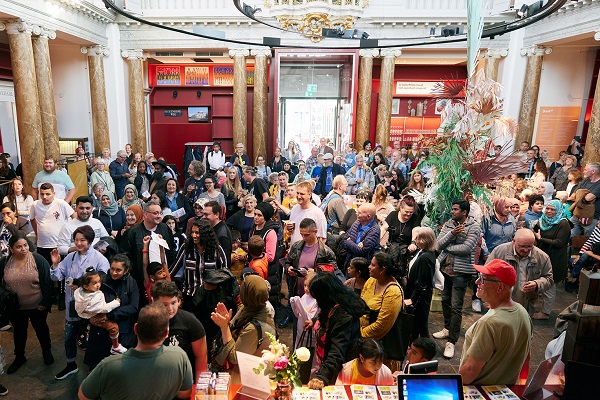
(449, 350)
(118, 350)
(5, 328)
(476, 306)
(443, 334)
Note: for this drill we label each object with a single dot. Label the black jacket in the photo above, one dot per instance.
(46, 284)
(335, 171)
(99, 342)
(137, 182)
(419, 286)
(111, 223)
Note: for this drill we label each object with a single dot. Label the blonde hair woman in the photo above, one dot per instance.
(232, 190)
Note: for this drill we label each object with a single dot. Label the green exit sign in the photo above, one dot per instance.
(308, 94)
(311, 88)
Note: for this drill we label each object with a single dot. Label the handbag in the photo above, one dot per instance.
(9, 301)
(397, 340)
(306, 340)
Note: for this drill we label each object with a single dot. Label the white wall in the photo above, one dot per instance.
(565, 80)
(8, 121)
(71, 91)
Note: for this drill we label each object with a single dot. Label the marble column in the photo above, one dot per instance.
(386, 92)
(43, 72)
(100, 129)
(492, 61)
(531, 88)
(137, 115)
(592, 142)
(29, 119)
(261, 101)
(240, 99)
(365, 89)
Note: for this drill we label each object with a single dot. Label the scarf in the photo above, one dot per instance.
(126, 204)
(548, 193)
(254, 295)
(139, 213)
(548, 223)
(113, 208)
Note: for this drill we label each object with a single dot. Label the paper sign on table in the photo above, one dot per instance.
(388, 392)
(364, 392)
(304, 393)
(334, 393)
(471, 393)
(499, 392)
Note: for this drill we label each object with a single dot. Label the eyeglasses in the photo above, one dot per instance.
(155, 213)
(208, 183)
(197, 207)
(484, 280)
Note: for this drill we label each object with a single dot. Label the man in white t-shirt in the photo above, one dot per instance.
(61, 182)
(48, 215)
(305, 209)
(83, 208)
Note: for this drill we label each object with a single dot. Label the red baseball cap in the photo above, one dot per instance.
(500, 269)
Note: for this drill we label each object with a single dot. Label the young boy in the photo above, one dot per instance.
(536, 206)
(421, 349)
(156, 272)
(238, 255)
(258, 262)
(89, 301)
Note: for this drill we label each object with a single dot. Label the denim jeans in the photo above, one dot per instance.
(583, 261)
(71, 333)
(453, 297)
(579, 229)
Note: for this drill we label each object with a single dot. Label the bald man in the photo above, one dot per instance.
(362, 239)
(533, 268)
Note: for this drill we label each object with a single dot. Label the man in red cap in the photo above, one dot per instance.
(496, 345)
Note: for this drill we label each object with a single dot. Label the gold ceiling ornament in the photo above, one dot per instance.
(311, 16)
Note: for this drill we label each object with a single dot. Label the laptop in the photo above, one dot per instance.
(438, 387)
(426, 367)
(535, 388)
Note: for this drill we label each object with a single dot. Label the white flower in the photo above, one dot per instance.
(303, 354)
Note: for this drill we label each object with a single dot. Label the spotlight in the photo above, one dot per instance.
(452, 30)
(364, 35)
(198, 94)
(523, 11)
(432, 32)
(250, 11)
(175, 94)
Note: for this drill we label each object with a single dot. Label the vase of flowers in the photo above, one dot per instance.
(282, 367)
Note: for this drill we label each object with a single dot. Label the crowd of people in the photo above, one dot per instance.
(345, 232)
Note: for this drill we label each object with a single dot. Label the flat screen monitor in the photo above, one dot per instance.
(430, 387)
(426, 367)
(197, 114)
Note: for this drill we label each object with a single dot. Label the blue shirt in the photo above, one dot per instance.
(362, 229)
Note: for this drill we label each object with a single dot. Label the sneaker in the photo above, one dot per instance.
(443, 334)
(3, 391)
(5, 328)
(476, 306)
(48, 357)
(449, 350)
(16, 364)
(118, 350)
(70, 369)
(540, 315)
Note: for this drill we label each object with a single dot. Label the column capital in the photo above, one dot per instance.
(390, 53)
(597, 36)
(495, 53)
(96, 50)
(239, 53)
(46, 33)
(369, 53)
(14, 27)
(535, 51)
(136, 54)
(261, 52)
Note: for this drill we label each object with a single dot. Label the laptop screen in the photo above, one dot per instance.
(431, 387)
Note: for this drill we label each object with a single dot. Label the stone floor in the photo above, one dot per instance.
(34, 380)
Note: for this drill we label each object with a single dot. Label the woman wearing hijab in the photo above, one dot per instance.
(546, 189)
(133, 216)
(130, 198)
(552, 234)
(267, 230)
(240, 332)
(110, 214)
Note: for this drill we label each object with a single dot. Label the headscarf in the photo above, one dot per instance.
(547, 223)
(139, 214)
(113, 208)
(266, 209)
(499, 208)
(548, 193)
(254, 295)
(126, 204)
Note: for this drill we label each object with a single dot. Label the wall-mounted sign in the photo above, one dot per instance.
(168, 75)
(173, 112)
(197, 76)
(414, 88)
(556, 128)
(223, 76)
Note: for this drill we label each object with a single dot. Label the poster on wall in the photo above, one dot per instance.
(556, 128)
(250, 77)
(223, 76)
(196, 76)
(168, 75)
(414, 88)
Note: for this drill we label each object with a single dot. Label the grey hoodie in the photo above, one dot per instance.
(461, 246)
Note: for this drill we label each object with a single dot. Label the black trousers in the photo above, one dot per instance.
(20, 322)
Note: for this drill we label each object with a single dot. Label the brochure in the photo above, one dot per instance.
(472, 393)
(334, 393)
(388, 392)
(499, 392)
(364, 392)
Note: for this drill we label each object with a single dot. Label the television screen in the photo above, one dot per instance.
(198, 114)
